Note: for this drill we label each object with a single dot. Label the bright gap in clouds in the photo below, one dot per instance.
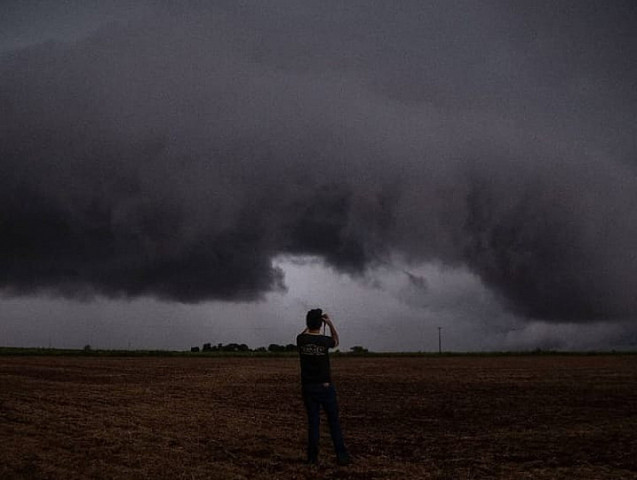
(397, 309)
(390, 309)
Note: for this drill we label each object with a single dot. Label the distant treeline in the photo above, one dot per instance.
(272, 348)
(242, 347)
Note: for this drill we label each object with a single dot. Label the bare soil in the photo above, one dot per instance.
(536, 417)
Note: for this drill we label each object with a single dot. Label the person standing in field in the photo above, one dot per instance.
(316, 382)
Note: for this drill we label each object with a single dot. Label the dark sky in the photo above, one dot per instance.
(200, 155)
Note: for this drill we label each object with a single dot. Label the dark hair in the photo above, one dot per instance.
(314, 319)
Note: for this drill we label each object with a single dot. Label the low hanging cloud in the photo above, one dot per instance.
(176, 155)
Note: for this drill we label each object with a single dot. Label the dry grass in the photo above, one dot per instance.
(241, 418)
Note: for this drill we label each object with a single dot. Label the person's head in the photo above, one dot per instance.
(314, 319)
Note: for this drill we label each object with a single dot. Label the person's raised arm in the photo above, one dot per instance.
(333, 332)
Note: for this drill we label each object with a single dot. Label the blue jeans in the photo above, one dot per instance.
(316, 396)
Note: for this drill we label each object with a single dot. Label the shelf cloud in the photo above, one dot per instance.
(177, 154)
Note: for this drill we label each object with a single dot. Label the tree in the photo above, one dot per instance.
(358, 350)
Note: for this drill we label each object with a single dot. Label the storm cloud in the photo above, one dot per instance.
(177, 154)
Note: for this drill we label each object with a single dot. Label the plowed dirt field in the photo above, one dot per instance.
(511, 417)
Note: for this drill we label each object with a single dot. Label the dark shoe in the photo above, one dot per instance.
(343, 460)
(312, 461)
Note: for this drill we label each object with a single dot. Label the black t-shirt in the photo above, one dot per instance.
(315, 361)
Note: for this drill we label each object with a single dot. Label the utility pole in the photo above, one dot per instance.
(439, 340)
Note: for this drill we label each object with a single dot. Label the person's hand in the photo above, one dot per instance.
(326, 319)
